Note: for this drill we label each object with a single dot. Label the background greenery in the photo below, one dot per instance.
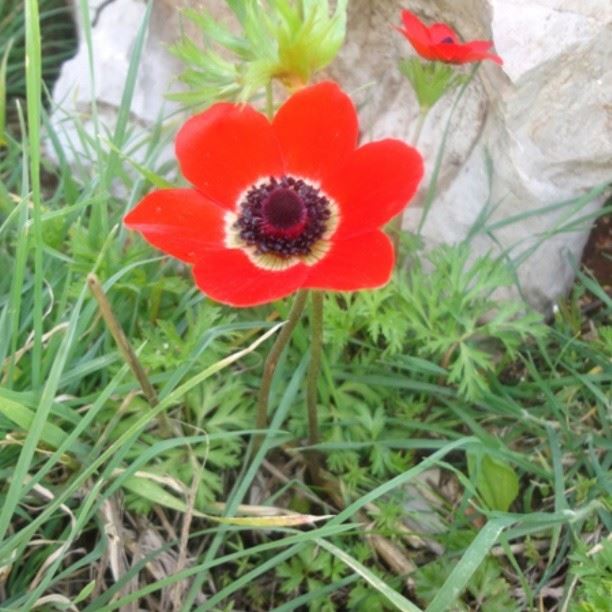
(470, 443)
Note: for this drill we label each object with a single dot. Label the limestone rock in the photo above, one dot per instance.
(544, 119)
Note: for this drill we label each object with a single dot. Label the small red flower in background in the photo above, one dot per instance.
(282, 205)
(440, 43)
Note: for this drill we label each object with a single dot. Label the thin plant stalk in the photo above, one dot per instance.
(431, 190)
(269, 101)
(125, 347)
(418, 128)
(279, 345)
(316, 325)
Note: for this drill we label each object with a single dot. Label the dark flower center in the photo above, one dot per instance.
(283, 209)
(283, 216)
(447, 41)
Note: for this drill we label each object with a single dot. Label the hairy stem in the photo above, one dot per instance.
(269, 101)
(418, 128)
(280, 343)
(433, 182)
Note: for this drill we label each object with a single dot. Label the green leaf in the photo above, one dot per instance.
(496, 482)
(85, 592)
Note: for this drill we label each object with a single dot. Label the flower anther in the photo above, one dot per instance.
(282, 222)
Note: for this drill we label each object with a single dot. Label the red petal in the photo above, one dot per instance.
(374, 185)
(416, 30)
(227, 148)
(494, 58)
(479, 50)
(475, 51)
(317, 128)
(363, 262)
(450, 53)
(441, 31)
(180, 222)
(230, 277)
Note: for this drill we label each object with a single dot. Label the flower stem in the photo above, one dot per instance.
(316, 326)
(433, 182)
(269, 101)
(280, 343)
(419, 126)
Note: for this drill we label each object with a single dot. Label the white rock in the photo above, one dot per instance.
(544, 118)
(113, 39)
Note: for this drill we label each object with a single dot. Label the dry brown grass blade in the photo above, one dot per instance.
(120, 338)
(63, 549)
(177, 591)
(63, 603)
(392, 555)
(118, 538)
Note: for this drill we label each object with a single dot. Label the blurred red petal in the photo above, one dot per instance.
(180, 222)
(440, 31)
(415, 29)
(374, 185)
(480, 50)
(362, 262)
(317, 128)
(227, 148)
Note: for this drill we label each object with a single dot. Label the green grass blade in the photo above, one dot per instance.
(33, 437)
(433, 183)
(316, 595)
(34, 111)
(123, 116)
(469, 563)
(398, 600)
(402, 479)
(3, 95)
(131, 433)
(243, 485)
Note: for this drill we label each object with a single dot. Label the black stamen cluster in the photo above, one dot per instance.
(254, 229)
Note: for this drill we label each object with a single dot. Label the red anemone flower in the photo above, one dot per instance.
(440, 43)
(282, 205)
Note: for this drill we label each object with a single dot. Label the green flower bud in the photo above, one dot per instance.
(284, 40)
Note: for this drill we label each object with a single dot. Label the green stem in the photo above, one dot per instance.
(419, 126)
(431, 190)
(316, 325)
(261, 421)
(269, 101)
